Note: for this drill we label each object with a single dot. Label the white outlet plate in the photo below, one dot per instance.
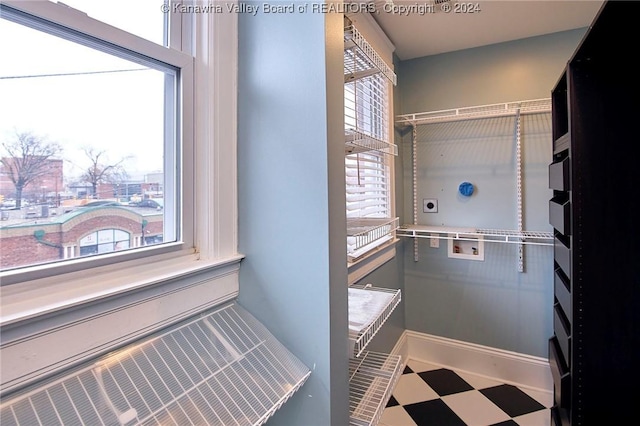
(434, 241)
(430, 205)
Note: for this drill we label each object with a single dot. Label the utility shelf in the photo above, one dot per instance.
(357, 142)
(360, 59)
(372, 378)
(472, 234)
(475, 112)
(222, 367)
(364, 233)
(369, 309)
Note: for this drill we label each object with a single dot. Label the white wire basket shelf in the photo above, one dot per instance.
(222, 367)
(361, 60)
(365, 233)
(483, 111)
(357, 142)
(369, 309)
(372, 378)
(366, 109)
(471, 234)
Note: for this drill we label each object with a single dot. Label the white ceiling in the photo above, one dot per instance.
(416, 35)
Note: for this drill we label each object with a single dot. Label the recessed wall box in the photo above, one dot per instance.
(468, 247)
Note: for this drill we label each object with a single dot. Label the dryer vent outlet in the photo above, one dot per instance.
(430, 205)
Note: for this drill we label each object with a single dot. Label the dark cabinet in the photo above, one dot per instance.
(595, 178)
(559, 174)
(560, 214)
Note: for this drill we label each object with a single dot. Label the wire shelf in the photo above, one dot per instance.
(362, 232)
(369, 309)
(357, 142)
(510, 236)
(372, 378)
(471, 234)
(366, 107)
(476, 112)
(361, 60)
(223, 367)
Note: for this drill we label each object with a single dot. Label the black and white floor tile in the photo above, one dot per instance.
(428, 394)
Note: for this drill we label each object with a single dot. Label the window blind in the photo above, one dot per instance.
(367, 185)
(366, 106)
(368, 172)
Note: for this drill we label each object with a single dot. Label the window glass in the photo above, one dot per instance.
(104, 241)
(144, 18)
(87, 142)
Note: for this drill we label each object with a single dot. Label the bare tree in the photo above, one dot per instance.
(28, 159)
(100, 171)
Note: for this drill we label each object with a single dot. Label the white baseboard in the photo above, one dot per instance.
(510, 367)
(402, 347)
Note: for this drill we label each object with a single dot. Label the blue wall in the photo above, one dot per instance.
(503, 72)
(291, 212)
(292, 225)
(391, 274)
(488, 303)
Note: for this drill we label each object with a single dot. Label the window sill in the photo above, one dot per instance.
(26, 300)
(371, 261)
(103, 308)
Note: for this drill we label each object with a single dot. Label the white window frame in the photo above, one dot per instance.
(89, 303)
(76, 21)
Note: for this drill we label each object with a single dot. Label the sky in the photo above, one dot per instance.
(80, 97)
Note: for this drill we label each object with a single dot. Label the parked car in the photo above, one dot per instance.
(154, 203)
(8, 205)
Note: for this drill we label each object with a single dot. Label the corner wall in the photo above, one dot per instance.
(487, 303)
(503, 72)
(292, 225)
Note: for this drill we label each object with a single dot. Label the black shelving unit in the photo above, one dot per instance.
(595, 178)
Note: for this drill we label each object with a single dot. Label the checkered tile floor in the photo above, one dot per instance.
(427, 394)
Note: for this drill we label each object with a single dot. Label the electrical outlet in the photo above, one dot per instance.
(430, 205)
(434, 242)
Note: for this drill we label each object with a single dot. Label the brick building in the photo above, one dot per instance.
(46, 186)
(81, 232)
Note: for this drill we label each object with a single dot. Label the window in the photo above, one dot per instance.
(183, 249)
(91, 114)
(144, 18)
(369, 222)
(104, 241)
(368, 163)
